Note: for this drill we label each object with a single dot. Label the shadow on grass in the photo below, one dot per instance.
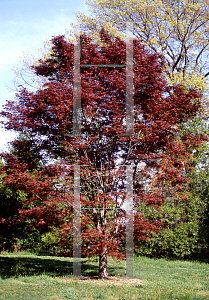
(28, 266)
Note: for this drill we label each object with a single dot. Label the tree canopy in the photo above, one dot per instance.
(177, 29)
(103, 149)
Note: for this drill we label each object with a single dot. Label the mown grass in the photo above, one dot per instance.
(31, 277)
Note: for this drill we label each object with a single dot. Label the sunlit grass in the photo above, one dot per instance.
(28, 276)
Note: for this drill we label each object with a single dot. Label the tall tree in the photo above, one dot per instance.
(177, 29)
(103, 148)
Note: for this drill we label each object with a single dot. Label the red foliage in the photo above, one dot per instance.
(47, 115)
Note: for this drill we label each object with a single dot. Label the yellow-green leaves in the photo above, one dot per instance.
(177, 29)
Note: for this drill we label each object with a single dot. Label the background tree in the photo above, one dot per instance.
(10, 227)
(18, 232)
(177, 29)
(21, 223)
(24, 74)
(26, 149)
(185, 211)
(103, 149)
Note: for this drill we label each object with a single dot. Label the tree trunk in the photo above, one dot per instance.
(103, 270)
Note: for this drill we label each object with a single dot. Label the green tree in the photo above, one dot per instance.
(25, 148)
(10, 226)
(185, 212)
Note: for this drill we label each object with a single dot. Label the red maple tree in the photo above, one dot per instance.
(103, 149)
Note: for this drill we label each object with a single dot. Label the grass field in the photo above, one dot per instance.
(31, 277)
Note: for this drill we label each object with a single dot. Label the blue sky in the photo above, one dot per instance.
(25, 25)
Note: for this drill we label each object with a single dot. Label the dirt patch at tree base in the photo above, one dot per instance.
(110, 281)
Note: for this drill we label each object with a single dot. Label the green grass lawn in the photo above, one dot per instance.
(31, 277)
